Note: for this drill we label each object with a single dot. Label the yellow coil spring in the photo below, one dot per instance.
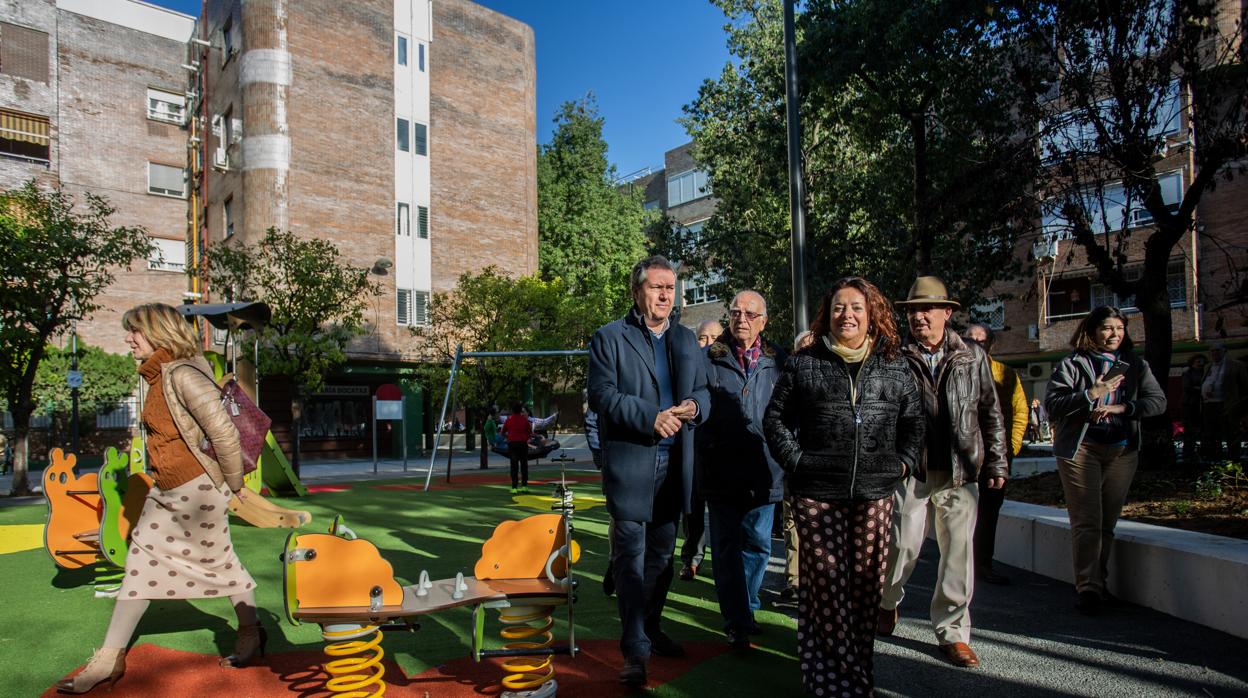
(355, 676)
(527, 628)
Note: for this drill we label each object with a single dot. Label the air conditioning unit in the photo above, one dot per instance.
(1040, 370)
(1044, 250)
(220, 161)
(1033, 332)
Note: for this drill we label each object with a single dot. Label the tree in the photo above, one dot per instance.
(317, 300)
(914, 161)
(55, 262)
(590, 232)
(107, 379)
(1124, 84)
(490, 311)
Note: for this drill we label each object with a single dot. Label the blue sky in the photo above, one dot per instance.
(643, 59)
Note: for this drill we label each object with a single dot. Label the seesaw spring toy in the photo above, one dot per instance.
(525, 571)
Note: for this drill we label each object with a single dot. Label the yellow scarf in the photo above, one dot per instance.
(850, 356)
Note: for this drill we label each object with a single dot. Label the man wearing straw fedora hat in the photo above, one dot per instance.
(965, 436)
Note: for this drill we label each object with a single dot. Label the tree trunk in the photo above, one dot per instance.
(920, 221)
(21, 452)
(296, 425)
(1153, 300)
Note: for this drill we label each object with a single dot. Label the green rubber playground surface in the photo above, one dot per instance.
(50, 620)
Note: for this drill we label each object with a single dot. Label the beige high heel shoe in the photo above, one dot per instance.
(107, 664)
(250, 642)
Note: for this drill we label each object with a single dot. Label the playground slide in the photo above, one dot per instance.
(261, 513)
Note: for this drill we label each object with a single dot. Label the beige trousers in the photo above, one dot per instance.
(1095, 483)
(952, 511)
(789, 527)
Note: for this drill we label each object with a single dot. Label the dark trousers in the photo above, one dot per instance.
(518, 452)
(695, 533)
(989, 512)
(641, 559)
(1220, 427)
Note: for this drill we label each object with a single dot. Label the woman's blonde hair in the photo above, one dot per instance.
(164, 328)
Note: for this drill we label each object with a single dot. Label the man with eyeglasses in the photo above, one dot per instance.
(647, 383)
(735, 471)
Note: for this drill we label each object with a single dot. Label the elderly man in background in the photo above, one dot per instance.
(694, 549)
(735, 470)
(965, 436)
(647, 382)
(1014, 413)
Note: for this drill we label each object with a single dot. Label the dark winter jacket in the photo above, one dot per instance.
(1069, 407)
(733, 462)
(962, 410)
(624, 391)
(832, 448)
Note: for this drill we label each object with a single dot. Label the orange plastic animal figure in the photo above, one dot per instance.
(72, 536)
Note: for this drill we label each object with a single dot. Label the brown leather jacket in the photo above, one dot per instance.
(961, 401)
(195, 403)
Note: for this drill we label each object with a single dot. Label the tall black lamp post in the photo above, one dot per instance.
(797, 188)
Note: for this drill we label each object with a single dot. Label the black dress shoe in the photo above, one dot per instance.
(688, 572)
(990, 576)
(788, 595)
(1088, 603)
(738, 640)
(755, 628)
(634, 672)
(665, 646)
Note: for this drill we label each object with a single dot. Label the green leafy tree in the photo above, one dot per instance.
(1124, 83)
(318, 303)
(107, 379)
(913, 161)
(590, 232)
(56, 260)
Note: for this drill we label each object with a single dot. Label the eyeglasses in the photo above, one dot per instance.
(737, 314)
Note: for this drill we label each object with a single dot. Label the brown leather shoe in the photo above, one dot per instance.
(887, 623)
(960, 654)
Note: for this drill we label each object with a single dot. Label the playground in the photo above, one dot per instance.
(1030, 640)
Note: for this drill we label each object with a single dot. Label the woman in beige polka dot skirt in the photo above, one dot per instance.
(180, 548)
(846, 424)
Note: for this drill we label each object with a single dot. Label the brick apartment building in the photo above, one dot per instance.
(681, 190)
(402, 130)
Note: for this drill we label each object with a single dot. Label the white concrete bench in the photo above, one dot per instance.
(1194, 576)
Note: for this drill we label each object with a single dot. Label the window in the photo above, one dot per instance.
(651, 205)
(1070, 132)
(691, 233)
(403, 306)
(420, 308)
(421, 138)
(227, 216)
(1074, 297)
(400, 49)
(422, 222)
(167, 255)
(990, 313)
(420, 57)
(700, 288)
(24, 136)
(23, 52)
(1113, 208)
(403, 226)
(687, 186)
(165, 106)
(402, 135)
(230, 40)
(166, 180)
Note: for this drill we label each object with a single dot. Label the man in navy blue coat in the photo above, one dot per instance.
(647, 382)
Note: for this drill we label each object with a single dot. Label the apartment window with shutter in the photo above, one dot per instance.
(422, 222)
(403, 224)
(420, 57)
(422, 138)
(227, 216)
(165, 106)
(403, 306)
(166, 180)
(402, 135)
(400, 49)
(167, 255)
(23, 52)
(420, 308)
(25, 136)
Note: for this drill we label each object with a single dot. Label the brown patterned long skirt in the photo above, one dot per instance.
(181, 548)
(844, 545)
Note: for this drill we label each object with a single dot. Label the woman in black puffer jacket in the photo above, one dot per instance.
(846, 424)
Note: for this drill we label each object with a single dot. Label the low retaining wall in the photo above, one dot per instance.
(1194, 576)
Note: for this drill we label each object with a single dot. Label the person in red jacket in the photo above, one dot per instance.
(517, 429)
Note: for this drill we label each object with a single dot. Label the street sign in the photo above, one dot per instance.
(73, 379)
